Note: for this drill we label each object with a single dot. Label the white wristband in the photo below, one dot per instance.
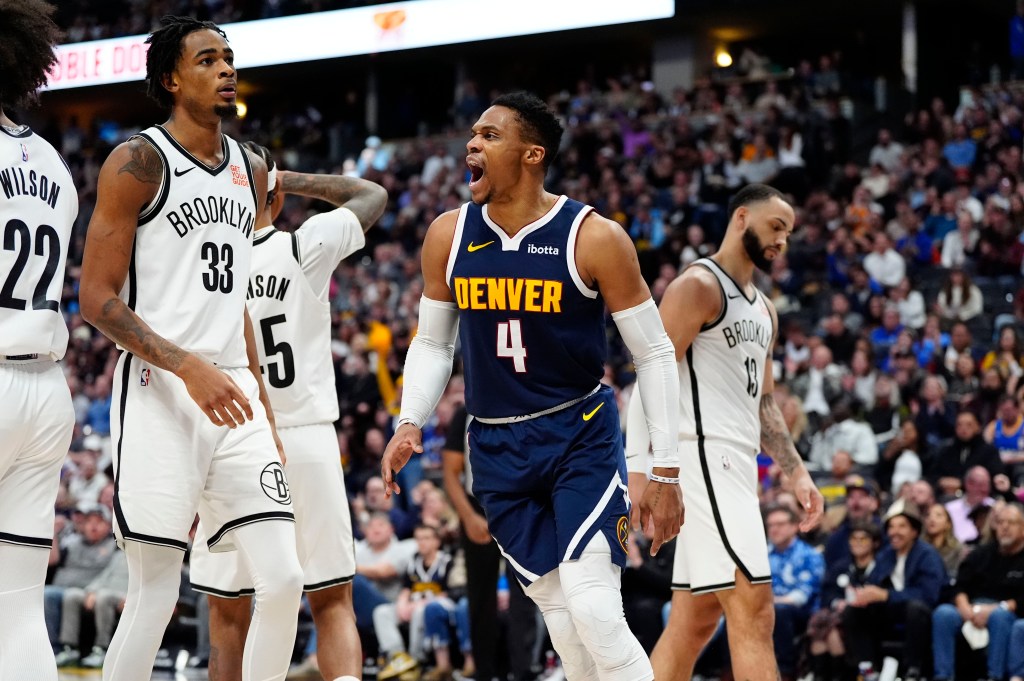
(661, 478)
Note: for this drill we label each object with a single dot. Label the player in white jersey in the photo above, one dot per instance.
(38, 206)
(723, 330)
(164, 275)
(288, 302)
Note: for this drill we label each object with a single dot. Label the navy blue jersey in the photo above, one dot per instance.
(533, 334)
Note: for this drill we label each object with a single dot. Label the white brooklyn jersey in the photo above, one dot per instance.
(190, 262)
(37, 210)
(291, 315)
(722, 373)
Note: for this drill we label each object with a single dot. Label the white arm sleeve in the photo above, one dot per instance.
(428, 365)
(657, 379)
(638, 440)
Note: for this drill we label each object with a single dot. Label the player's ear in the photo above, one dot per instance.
(535, 154)
(169, 82)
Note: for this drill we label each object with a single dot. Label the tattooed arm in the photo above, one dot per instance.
(778, 444)
(129, 180)
(364, 198)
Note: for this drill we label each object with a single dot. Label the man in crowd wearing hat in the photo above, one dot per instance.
(989, 599)
(79, 557)
(901, 592)
(861, 507)
(978, 489)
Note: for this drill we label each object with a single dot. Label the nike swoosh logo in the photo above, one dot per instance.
(735, 296)
(590, 414)
(473, 247)
(179, 173)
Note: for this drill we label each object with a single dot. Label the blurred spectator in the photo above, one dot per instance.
(900, 463)
(977, 493)
(819, 384)
(989, 596)
(910, 304)
(959, 299)
(842, 432)
(935, 417)
(1007, 357)
(959, 245)
(886, 152)
(883, 264)
(899, 596)
(861, 507)
(967, 451)
(1006, 434)
(103, 598)
(85, 483)
(938, 531)
(797, 570)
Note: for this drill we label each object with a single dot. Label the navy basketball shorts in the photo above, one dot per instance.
(549, 484)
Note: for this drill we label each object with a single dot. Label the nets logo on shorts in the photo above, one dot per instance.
(275, 484)
(622, 531)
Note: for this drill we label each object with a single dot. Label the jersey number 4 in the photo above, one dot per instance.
(47, 244)
(510, 344)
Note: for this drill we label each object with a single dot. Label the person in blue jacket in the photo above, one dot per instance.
(900, 594)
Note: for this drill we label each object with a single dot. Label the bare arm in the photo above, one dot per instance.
(252, 353)
(778, 444)
(364, 198)
(454, 463)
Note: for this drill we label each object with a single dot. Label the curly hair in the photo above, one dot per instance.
(27, 37)
(537, 123)
(165, 45)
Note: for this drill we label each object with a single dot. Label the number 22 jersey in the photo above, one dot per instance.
(532, 332)
(190, 262)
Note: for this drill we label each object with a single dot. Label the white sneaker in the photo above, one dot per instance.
(94, 660)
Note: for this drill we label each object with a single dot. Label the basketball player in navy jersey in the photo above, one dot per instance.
(723, 330)
(524, 276)
(38, 206)
(166, 266)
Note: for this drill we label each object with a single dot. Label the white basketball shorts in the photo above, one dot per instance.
(323, 526)
(722, 531)
(170, 460)
(36, 424)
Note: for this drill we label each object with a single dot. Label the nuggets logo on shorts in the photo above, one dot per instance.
(622, 531)
(275, 484)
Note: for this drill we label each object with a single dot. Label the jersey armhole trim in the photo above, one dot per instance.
(156, 205)
(775, 331)
(725, 301)
(252, 180)
(570, 254)
(453, 253)
(295, 248)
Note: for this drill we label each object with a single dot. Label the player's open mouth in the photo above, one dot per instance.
(476, 173)
(227, 92)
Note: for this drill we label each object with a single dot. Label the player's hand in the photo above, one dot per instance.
(637, 487)
(90, 600)
(477, 530)
(217, 395)
(810, 499)
(662, 508)
(406, 440)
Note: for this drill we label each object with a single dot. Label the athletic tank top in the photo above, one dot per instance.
(722, 373)
(532, 333)
(190, 261)
(1008, 442)
(38, 207)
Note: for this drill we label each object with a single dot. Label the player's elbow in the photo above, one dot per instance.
(90, 302)
(377, 200)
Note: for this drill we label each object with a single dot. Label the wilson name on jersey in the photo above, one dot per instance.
(293, 333)
(190, 262)
(722, 372)
(532, 333)
(38, 207)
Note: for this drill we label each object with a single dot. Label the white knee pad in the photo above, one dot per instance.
(577, 663)
(591, 587)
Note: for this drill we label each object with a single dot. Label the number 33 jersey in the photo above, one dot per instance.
(532, 332)
(722, 373)
(190, 261)
(291, 315)
(38, 206)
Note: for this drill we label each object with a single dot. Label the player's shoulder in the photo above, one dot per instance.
(696, 290)
(137, 157)
(442, 229)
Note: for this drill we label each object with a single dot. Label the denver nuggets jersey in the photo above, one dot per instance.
(37, 210)
(532, 333)
(291, 315)
(721, 375)
(190, 261)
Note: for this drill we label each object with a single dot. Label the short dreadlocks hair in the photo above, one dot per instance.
(164, 50)
(268, 158)
(27, 37)
(537, 123)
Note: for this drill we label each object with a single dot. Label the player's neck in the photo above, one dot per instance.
(732, 258)
(520, 208)
(5, 121)
(202, 139)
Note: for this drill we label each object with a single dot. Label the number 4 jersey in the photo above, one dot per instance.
(532, 333)
(190, 260)
(291, 315)
(722, 372)
(38, 206)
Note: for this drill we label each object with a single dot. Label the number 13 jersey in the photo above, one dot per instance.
(722, 373)
(532, 333)
(190, 262)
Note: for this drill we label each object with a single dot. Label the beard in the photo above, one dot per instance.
(226, 111)
(755, 251)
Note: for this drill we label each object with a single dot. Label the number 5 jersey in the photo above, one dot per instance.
(39, 205)
(532, 332)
